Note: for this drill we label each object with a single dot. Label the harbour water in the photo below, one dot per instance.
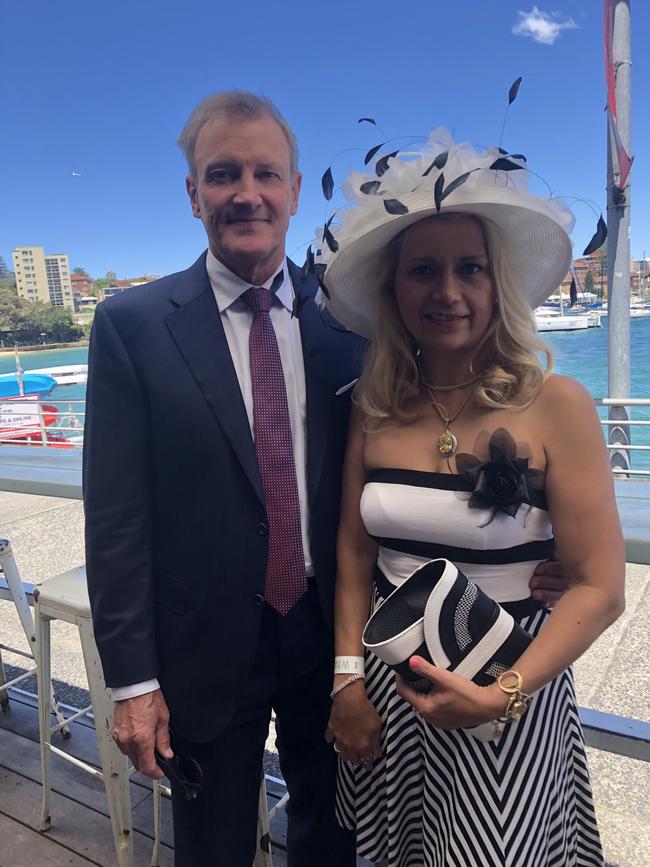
(581, 354)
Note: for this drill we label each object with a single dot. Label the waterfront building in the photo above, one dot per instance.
(81, 283)
(596, 264)
(87, 302)
(43, 277)
(115, 289)
(640, 276)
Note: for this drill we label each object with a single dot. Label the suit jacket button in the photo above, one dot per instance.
(262, 529)
(259, 599)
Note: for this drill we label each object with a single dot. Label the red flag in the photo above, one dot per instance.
(622, 156)
(610, 72)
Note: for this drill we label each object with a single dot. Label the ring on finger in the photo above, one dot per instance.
(365, 760)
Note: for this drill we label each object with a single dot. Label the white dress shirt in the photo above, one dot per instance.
(236, 317)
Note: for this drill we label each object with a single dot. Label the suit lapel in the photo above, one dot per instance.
(197, 330)
(318, 387)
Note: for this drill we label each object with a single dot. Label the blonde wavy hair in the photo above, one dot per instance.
(511, 371)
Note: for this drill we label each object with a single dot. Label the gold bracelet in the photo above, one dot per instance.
(511, 682)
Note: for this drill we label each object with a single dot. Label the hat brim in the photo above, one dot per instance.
(537, 248)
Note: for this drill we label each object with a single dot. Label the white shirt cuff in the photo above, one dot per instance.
(121, 693)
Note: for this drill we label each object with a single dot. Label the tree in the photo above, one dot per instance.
(10, 303)
(23, 322)
(81, 272)
(589, 282)
(103, 282)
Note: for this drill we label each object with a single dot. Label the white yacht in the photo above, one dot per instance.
(555, 319)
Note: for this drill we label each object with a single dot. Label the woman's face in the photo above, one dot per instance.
(443, 285)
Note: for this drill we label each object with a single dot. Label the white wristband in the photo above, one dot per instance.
(348, 665)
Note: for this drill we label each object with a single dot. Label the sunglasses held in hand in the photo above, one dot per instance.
(183, 770)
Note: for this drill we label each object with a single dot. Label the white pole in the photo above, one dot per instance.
(618, 239)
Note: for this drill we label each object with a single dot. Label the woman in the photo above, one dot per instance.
(463, 446)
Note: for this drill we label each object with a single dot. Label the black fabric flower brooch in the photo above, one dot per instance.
(504, 482)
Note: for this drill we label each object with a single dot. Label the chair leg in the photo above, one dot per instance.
(155, 852)
(12, 575)
(15, 584)
(263, 856)
(44, 679)
(64, 731)
(114, 763)
(4, 694)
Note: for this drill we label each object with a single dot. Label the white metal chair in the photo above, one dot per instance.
(263, 856)
(65, 597)
(13, 589)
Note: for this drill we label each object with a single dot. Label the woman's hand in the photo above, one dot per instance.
(354, 726)
(454, 702)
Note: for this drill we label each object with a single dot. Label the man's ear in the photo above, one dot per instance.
(295, 189)
(192, 192)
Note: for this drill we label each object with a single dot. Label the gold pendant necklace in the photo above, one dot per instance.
(430, 387)
(447, 444)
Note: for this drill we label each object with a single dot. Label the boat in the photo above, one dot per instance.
(66, 374)
(20, 384)
(554, 319)
(638, 307)
(25, 419)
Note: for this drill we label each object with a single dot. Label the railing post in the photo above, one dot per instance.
(41, 422)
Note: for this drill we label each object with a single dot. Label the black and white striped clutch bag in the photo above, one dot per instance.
(439, 614)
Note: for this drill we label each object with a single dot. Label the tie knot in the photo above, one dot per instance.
(258, 299)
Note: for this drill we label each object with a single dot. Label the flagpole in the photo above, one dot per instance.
(618, 222)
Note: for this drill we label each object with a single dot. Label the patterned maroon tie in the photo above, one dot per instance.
(285, 571)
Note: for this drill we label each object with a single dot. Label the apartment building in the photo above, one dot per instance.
(43, 277)
(81, 284)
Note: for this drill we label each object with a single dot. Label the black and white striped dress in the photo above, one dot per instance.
(440, 798)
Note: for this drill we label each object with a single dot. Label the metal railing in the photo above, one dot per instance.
(52, 423)
(616, 734)
(67, 429)
(625, 403)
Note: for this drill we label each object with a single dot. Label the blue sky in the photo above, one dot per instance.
(103, 90)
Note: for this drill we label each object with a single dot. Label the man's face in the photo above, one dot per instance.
(244, 194)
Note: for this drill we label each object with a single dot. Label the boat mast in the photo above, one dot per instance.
(19, 374)
(618, 63)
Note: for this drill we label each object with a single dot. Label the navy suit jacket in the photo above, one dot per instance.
(176, 528)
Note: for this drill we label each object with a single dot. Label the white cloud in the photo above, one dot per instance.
(543, 27)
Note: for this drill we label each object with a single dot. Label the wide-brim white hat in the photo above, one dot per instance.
(535, 230)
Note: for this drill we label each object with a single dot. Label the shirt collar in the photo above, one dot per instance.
(228, 287)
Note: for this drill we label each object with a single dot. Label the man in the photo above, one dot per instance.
(182, 513)
(216, 424)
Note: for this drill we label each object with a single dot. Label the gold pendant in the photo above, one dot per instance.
(447, 444)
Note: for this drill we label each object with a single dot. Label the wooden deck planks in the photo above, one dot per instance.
(81, 830)
(76, 827)
(21, 846)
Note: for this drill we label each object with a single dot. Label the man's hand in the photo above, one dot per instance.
(549, 582)
(140, 726)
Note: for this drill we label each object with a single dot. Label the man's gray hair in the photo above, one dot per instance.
(236, 105)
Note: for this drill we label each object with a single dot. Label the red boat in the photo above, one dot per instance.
(24, 420)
